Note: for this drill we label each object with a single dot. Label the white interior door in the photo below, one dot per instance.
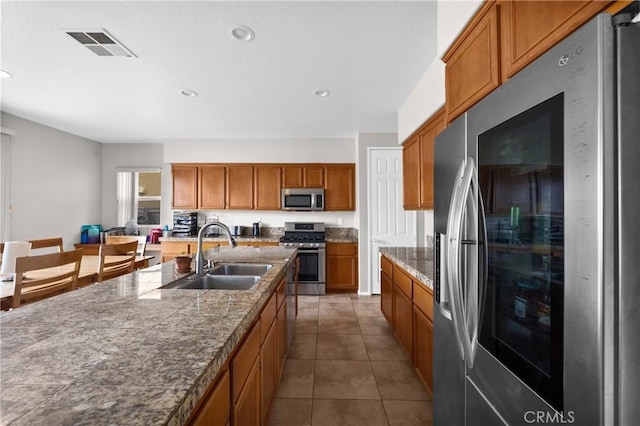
(389, 223)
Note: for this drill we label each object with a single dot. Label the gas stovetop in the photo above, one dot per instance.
(307, 234)
(303, 238)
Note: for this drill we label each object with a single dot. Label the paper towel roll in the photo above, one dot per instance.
(13, 249)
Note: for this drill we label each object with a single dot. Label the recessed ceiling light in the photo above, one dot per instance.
(242, 33)
(5, 74)
(323, 93)
(189, 93)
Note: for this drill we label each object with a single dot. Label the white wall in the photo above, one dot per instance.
(429, 93)
(263, 151)
(134, 156)
(363, 142)
(56, 182)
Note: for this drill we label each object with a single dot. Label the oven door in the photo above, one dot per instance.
(311, 273)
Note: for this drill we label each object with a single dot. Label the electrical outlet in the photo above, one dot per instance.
(339, 221)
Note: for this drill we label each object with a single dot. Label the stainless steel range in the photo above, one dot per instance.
(308, 237)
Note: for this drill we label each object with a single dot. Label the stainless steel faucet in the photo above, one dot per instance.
(200, 255)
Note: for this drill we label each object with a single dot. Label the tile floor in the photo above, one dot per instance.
(345, 367)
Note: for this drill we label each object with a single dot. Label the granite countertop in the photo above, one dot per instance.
(125, 351)
(418, 261)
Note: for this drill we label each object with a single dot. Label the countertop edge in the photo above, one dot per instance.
(424, 277)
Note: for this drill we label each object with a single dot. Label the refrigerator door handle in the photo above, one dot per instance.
(454, 223)
(441, 291)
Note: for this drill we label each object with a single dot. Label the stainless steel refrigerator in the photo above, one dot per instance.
(537, 212)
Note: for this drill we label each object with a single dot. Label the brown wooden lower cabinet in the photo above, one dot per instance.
(403, 321)
(268, 370)
(423, 347)
(281, 324)
(246, 409)
(410, 317)
(216, 409)
(342, 267)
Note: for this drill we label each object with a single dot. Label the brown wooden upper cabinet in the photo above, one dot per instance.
(211, 187)
(502, 38)
(254, 186)
(239, 187)
(530, 28)
(340, 187)
(417, 164)
(303, 176)
(185, 186)
(473, 62)
(267, 184)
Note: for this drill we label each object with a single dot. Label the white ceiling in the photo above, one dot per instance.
(368, 54)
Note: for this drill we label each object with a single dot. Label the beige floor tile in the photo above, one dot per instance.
(341, 346)
(335, 298)
(409, 413)
(307, 310)
(306, 325)
(397, 380)
(291, 412)
(340, 379)
(338, 325)
(297, 379)
(384, 347)
(308, 299)
(336, 310)
(303, 346)
(368, 310)
(374, 325)
(331, 412)
(356, 298)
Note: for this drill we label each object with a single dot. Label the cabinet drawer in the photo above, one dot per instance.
(281, 292)
(244, 359)
(267, 316)
(386, 266)
(402, 280)
(217, 407)
(341, 249)
(423, 299)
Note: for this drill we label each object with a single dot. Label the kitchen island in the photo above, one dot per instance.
(126, 351)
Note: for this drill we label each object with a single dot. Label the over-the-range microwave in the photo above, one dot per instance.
(304, 199)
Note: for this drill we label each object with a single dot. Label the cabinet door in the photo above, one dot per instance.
(530, 28)
(185, 186)
(216, 409)
(423, 350)
(246, 410)
(411, 174)
(211, 189)
(267, 187)
(292, 177)
(473, 63)
(170, 249)
(427, 143)
(340, 186)
(314, 177)
(268, 371)
(342, 267)
(403, 320)
(281, 324)
(386, 297)
(239, 192)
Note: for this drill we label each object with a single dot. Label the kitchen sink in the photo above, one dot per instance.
(239, 269)
(224, 276)
(215, 282)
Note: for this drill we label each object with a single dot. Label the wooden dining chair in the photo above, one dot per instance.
(116, 260)
(34, 281)
(46, 243)
(119, 239)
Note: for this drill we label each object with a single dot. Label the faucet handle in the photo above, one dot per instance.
(211, 263)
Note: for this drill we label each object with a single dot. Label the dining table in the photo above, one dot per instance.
(88, 274)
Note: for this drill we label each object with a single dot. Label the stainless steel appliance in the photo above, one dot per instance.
(536, 276)
(303, 199)
(185, 224)
(308, 237)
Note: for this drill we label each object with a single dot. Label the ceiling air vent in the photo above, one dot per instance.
(100, 42)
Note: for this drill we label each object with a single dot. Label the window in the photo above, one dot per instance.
(139, 196)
